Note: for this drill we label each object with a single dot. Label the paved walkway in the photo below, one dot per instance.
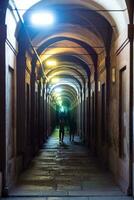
(69, 198)
(65, 172)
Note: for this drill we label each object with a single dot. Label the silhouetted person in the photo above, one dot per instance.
(72, 130)
(61, 130)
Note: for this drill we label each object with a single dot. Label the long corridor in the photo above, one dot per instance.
(66, 170)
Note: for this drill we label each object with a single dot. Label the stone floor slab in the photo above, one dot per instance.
(110, 198)
(68, 198)
(65, 170)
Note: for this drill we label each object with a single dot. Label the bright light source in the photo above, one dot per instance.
(51, 63)
(57, 90)
(42, 19)
(62, 109)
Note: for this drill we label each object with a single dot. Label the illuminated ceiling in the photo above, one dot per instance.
(82, 32)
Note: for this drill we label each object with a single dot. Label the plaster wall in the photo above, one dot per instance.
(108, 153)
(102, 145)
(120, 58)
(11, 53)
(92, 113)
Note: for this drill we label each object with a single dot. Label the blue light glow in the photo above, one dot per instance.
(42, 19)
(58, 90)
(62, 109)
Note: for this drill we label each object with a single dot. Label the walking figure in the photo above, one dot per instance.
(61, 130)
(72, 130)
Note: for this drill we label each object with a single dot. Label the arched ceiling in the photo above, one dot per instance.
(82, 33)
(68, 70)
(62, 48)
(67, 96)
(119, 18)
(67, 82)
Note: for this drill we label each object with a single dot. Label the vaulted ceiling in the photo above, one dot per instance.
(82, 32)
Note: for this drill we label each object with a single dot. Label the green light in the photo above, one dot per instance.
(62, 109)
(60, 102)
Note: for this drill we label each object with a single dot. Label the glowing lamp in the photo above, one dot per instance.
(51, 63)
(42, 19)
(58, 90)
(62, 109)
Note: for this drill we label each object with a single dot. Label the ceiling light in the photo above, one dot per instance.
(57, 90)
(42, 19)
(62, 109)
(51, 63)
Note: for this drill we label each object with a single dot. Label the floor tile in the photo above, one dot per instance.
(66, 170)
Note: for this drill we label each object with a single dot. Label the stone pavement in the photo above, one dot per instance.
(69, 198)
(65, 172)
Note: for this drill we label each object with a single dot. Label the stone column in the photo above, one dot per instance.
(3, 34)
(131, 131)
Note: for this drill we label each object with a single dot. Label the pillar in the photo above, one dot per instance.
(3, 34)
